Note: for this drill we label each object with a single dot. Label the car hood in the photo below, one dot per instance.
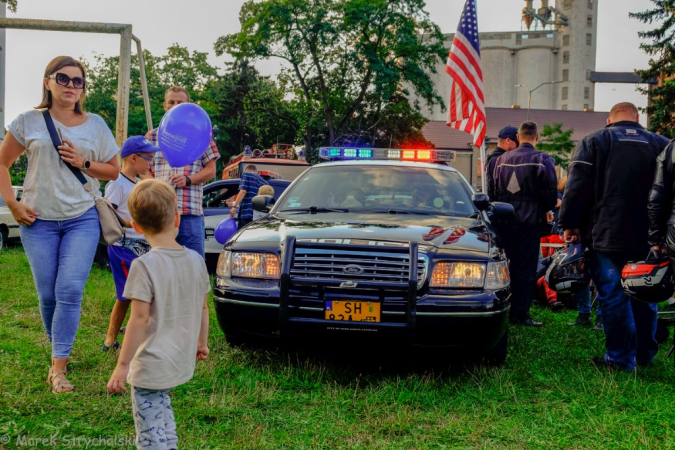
(441, 232)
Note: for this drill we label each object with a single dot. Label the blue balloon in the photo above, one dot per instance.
(225, 230)
(184, 134)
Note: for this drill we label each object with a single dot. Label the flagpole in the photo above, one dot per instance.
(483, 177)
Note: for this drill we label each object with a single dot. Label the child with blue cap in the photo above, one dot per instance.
(137, 153)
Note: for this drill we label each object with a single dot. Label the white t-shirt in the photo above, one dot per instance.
(118, 193)
(174, 282)
(50, 187)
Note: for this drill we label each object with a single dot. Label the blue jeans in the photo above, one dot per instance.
(192, 233)
(60, 254)
(629, 325)
(583, 298)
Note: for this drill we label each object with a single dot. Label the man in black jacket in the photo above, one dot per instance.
(605, 206)
(507, 140)
(525, 178)
(662, 204)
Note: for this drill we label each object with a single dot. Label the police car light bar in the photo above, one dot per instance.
(391, 154)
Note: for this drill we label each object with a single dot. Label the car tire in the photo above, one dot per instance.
(497, 355)
(3, 239)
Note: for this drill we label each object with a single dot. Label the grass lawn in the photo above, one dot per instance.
(547, 395)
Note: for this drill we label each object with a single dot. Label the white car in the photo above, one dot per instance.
(9, 228)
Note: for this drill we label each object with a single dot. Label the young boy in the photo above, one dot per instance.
(265, 189)
(169, 319)
(137, 153)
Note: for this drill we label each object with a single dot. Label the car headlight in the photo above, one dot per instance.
(224, 264)
(458, 275)
(497, 275)
(255, 265)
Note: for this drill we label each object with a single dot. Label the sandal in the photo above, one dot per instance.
(62, 386)
(115, 346)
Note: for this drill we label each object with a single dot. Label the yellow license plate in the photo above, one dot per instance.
(351, 311)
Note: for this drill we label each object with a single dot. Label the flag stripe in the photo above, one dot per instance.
(466, 111)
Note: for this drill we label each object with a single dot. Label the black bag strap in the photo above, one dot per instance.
(57, 141)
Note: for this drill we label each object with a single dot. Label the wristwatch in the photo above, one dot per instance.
(188, 181)
(87, 164)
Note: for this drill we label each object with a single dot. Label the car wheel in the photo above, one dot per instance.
(497, 355)
(3, 239)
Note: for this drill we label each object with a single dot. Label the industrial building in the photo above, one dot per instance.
(556, 45)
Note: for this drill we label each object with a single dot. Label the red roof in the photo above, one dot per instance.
(583, 123)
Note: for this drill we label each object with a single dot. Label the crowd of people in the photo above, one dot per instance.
(617, 200)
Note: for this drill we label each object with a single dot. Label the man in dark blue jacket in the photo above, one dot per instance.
(507, 140)
(605, 206)
(525, 178)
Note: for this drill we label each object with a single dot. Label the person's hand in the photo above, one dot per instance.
(202, 352)
(233, 212)
(23, 214)
(558, 203)
(177, 180)
(69, 154)
(118, 378)
(573, 236)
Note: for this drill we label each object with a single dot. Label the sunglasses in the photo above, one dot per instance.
(147, 158)
(64, 80)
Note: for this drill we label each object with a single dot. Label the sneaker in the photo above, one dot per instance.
(582, 320)
(557, 306)
(601, 362)
(598, 325)
(528, 322)
(115, 346)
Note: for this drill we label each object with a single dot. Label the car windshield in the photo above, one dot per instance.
(380, 189)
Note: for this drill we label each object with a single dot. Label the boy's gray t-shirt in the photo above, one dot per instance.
(174, 282)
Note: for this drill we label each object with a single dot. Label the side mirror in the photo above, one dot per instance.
(481, 201)
(263, 203)
(502, 212)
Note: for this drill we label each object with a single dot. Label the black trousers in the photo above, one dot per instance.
(522, 248)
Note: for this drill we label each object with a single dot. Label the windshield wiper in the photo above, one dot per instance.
(315, 209)
(402, 211)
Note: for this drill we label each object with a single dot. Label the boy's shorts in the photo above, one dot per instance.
(120, 261)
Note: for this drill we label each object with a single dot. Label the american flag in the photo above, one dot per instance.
(467, 104)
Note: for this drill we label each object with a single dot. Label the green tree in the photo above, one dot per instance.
(348, 60)
(659, 46)
(557, 143)
(249, 110)
(11, 4)
(178, 67)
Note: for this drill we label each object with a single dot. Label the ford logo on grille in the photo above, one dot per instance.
(353, 269)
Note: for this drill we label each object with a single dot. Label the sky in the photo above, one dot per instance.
(161, 23)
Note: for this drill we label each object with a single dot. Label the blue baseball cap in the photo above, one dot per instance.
(137, 144)
(509, 132)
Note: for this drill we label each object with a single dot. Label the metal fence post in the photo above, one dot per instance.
(121, 126)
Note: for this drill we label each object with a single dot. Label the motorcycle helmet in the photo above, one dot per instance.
(649, 281)
(567, 274)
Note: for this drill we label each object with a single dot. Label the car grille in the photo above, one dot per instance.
(334, 264)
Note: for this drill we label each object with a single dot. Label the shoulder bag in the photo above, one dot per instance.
(112, 225)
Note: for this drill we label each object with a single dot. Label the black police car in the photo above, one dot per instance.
(381, 249)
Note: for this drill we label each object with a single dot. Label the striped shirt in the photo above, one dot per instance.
(250, 182)
(189, 197)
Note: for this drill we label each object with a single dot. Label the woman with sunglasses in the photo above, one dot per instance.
(58, 221)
